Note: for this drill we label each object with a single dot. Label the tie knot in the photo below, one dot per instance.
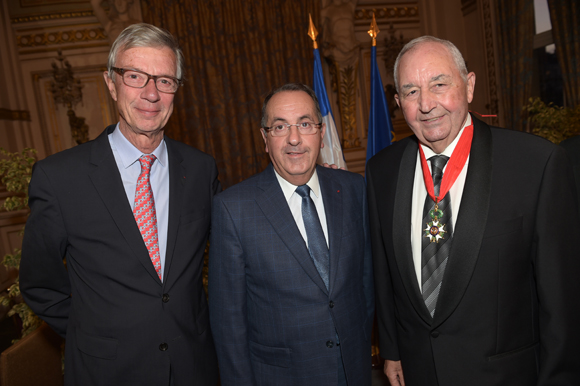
(437, 164)
(146, 161)
(303, 191)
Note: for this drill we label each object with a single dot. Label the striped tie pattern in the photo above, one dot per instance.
(144, 211)
(434, 255)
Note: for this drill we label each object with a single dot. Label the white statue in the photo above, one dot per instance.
(339, 41)
(122, 13)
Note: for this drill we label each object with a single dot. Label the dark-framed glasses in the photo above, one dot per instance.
(139, 79)
(282, 129)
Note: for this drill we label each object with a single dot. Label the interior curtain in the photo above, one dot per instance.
(235, 52)
(565, 17)
(515, 26)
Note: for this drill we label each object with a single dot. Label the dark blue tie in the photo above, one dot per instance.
(316, 242)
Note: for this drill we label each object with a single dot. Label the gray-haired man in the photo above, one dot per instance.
(130, 213)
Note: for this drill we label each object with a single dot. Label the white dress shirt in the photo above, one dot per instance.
(127, 159)
(295, 203)
(420, 194)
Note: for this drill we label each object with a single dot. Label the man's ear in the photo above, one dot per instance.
(322, 131)
(265, 137)
(397, 100)
(110, 85)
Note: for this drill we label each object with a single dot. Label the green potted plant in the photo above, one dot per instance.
(553, 122)
(15, 172)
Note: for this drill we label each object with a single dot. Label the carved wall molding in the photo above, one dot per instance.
(366, 14)
(61, 37)
(52, 16)
(14, 115)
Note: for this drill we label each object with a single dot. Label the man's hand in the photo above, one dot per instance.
(394, 372)
(333, 166)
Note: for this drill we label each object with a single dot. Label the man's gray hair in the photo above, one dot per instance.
(291, 87)
(145, 35)
(453, 51)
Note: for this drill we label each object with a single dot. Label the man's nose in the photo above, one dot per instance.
(426, 102)
(294, 137)
(150, 91)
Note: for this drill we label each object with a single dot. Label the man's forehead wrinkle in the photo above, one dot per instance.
(440, 77)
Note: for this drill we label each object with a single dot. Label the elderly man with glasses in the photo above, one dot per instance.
(290, 269)
(130, 213)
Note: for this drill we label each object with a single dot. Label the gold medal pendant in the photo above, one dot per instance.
(435, 231)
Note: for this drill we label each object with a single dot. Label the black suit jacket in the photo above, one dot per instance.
(122, 325)
(507, 313)
(572, 146)
(274, 320)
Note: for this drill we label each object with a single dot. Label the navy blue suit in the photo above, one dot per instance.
(274, 321)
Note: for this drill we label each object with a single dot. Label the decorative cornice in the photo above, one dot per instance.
(14, 115)
(60, 37)
(52, 16)
(386, 13)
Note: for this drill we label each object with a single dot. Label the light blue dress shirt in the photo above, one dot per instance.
(127, 159)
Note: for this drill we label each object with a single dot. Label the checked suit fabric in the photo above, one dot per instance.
(144, 211)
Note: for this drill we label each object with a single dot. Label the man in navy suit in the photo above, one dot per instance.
(131, 304)
(290, 269)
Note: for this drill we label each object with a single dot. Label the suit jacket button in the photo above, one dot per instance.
(165, 298)
(330, 344)
(331, 304)
(435, 334)
(163, 347)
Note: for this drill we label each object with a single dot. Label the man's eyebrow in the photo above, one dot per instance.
(440, 77)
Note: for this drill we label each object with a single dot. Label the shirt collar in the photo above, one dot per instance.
(129, 154)
(288, 189)
(449, 150)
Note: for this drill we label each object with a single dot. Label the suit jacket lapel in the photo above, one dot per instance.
(402, 229)
(471, 222)
(107, 181)
(176, 186)
(275, 208)
(333, 208)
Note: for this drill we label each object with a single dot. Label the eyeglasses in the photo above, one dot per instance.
(139, 79)
(282, 129)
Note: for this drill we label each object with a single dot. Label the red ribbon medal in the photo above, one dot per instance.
(435, 230)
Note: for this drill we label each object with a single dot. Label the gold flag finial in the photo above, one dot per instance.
(312, 32)
(374, 31)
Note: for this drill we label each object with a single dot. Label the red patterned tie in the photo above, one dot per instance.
(144, 211)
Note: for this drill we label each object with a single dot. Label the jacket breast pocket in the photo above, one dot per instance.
(274, 356)
(96, 346)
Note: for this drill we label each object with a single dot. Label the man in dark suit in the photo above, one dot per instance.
(290, 269)
(473, 231)
(130, 212)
